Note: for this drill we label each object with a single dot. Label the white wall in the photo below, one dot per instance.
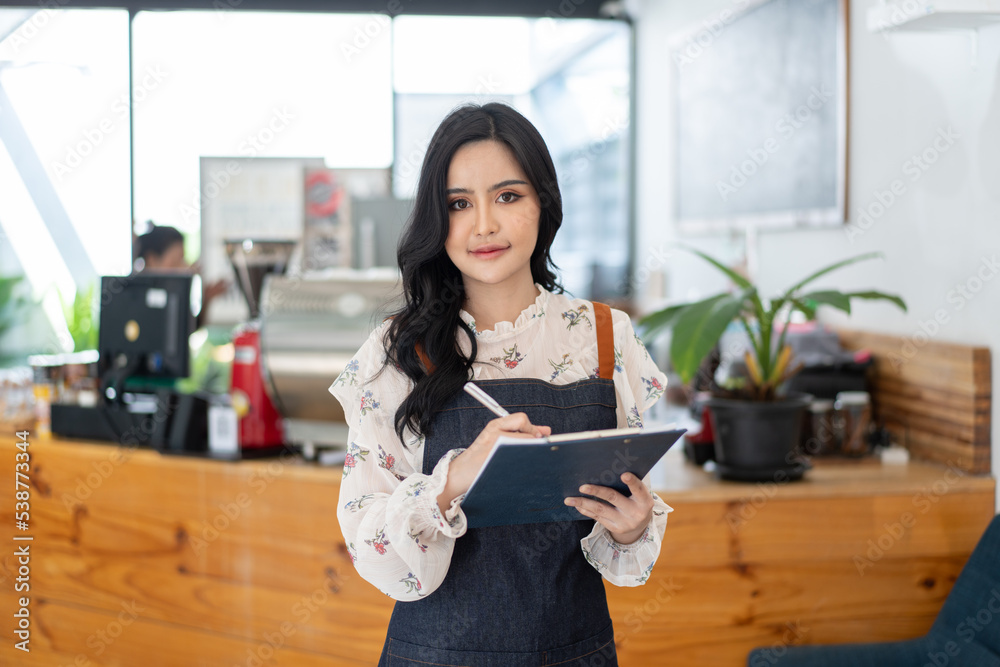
(904, 88)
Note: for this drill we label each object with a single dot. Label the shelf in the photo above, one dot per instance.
(929, 16)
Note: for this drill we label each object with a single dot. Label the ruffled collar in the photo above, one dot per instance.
(527, 317)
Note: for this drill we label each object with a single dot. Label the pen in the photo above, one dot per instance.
(485, 399)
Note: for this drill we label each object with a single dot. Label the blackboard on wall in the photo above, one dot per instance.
(761, 117)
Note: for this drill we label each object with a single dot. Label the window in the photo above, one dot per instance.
(355, 91)
(254, 84)
(64, 154)
(572, 79)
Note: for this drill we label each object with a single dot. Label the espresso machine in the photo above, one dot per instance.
(303, 329)
(313, 325)
(260, 426)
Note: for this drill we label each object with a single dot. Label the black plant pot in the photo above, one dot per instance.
(755, 440)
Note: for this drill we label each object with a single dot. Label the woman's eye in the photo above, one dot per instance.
(508, 197)
(458, 205)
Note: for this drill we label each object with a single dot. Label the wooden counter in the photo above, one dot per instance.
(145, 559)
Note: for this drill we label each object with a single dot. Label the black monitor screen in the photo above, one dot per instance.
(146, 320)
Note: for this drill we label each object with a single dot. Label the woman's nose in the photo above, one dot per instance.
(485, 223)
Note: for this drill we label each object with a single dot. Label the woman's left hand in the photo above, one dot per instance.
(627, 516)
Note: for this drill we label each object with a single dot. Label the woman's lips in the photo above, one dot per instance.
(489, 253)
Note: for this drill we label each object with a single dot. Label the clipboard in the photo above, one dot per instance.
(526, 481)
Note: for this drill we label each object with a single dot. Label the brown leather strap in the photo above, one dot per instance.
(605, 340)
(424, 359)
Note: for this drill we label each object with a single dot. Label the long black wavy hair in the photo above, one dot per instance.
(432, 286)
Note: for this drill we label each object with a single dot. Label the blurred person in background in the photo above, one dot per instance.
(161, 248)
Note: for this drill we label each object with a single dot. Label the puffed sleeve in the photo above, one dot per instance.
(639, 385)
(638, 380)
(388, 511)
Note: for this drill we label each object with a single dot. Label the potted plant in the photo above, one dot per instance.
(756, 425)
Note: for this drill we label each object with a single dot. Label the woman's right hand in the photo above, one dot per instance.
(466, 465)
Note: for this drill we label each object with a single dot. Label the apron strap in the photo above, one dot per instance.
(605, 340)
(419, 347)
(424, 359)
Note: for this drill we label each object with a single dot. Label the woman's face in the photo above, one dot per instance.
(172, 259)
(493, 215)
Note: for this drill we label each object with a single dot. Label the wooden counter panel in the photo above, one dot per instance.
(713, 616)
(715, 534)
(202, 491)
(728, 578)
(207, 559)
(843, 530)
(71, 635)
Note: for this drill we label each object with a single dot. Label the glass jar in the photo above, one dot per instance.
(44, 388)
(853, 422)
(16, 398)
(819, 437)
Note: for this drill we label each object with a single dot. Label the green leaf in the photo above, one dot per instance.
(12, 305)
(699, 327)
(7, 286)
(825, 270)
(735, 277)
(655, 322)
(842, 300)
(830, 298)
(755, 305)
(809, 310)
(872, 295)
(80, 319)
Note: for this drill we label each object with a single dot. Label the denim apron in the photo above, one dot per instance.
(521, 595)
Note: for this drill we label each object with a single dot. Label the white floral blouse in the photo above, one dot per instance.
(388, 508)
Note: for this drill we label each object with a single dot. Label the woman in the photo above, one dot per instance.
(482, 302)
(161, 249)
